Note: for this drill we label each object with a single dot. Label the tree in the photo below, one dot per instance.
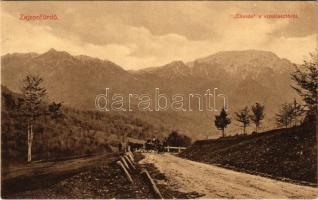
(178, 140)
(306, 78)
(257, 115)
(285, 115)
(243, 117)
(298, 111)
(289, 114)
(55, 110)
(32, 99)
(222, 121)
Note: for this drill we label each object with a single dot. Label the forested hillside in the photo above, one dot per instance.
(76, 133)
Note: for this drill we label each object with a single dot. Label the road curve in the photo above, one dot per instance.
(216, 182)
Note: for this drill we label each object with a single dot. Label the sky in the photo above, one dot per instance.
(143, 34)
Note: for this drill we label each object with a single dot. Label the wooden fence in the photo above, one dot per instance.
(168, 148)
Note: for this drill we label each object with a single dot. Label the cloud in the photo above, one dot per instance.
(290, 47)
(153, 34)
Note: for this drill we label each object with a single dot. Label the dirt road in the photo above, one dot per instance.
(47, 173)
(216, 182)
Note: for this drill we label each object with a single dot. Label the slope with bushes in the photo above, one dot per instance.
(286, 153)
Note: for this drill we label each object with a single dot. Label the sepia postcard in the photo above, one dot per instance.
(159, 99)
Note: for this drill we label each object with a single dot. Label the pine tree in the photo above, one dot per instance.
(257, 115)
(306, 78)
(243, 117)
(289, 114)
(298, 111)
(222, 121)
(285, 115)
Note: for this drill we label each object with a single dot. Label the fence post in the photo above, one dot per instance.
(153, 185)
(131, 155)
(125, 171)
(129, 162)
(122, 159)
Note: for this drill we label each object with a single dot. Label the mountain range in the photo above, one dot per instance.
(245, 77)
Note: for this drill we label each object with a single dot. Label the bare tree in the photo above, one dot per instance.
(257, 115)
(243, 117)
(222, 121)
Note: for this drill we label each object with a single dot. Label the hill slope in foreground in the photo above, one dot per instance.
(282, 153)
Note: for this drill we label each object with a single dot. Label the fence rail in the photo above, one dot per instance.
(178, 148)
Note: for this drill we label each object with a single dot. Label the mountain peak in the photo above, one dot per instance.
(175, 65)
(249, 52)
(244, 60)
(52, 50)
(53, 54)
(239, 54)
